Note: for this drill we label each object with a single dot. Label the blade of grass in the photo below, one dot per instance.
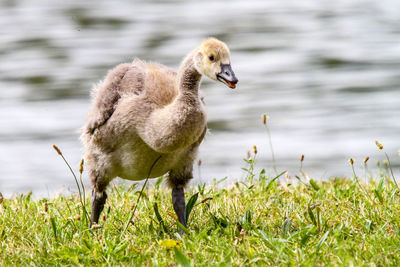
(190, 205)
(391, 170)
(54, 227)
(183, 228)
(314, 185)
(312, 216)
(274, 179)
(180, 258)
(141, 191)
(321, 242)
(159, 218)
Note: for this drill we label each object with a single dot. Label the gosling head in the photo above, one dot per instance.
(212, 59)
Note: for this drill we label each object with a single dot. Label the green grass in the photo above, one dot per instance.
(259, 222)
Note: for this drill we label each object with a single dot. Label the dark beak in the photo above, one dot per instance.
(227, 76)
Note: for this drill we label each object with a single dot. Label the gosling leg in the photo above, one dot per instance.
(178, 201)
(98, 201)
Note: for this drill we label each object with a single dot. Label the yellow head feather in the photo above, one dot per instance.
(216, 48)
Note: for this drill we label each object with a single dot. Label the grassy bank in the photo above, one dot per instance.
(340, 222)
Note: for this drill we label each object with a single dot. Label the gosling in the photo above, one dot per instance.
(148, 120)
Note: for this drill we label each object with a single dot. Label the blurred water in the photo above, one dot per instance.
(327, 73)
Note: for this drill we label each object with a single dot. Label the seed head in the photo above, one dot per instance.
(255, 149)
(57, 149)
(81, 166)
(351, 161)
(77, 217)
(264, 119)
(366, 159)
(302, 158)
(379, 145)
(46, 207)
(199, 162)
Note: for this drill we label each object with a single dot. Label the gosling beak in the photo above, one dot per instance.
(227, 76)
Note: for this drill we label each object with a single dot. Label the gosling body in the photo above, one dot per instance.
(148, 120)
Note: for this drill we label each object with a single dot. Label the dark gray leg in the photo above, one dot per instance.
(98, 201)
(178, 200)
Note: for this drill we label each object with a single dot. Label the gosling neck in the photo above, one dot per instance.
(188, 76)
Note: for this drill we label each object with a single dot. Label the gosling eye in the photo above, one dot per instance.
(211, 57)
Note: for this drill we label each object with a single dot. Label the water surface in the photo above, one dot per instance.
(326, 72)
